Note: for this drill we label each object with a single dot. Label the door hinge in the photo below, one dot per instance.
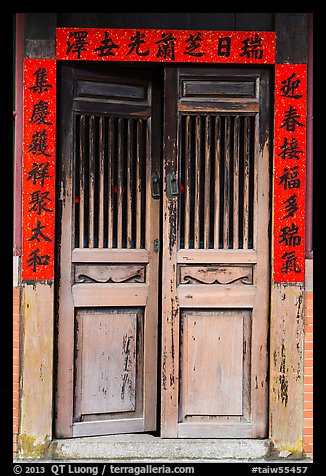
(157, 246)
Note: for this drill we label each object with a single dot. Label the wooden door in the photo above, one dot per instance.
(108, 252)
(215, 287)
(215, 252)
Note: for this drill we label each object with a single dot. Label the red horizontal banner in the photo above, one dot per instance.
(185, 46)
(289, 172)
(39, 169)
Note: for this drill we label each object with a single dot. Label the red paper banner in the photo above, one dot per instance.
(185, 46)
(289, 172)
(39, 169)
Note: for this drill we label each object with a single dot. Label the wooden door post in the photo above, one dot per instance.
(287, 298)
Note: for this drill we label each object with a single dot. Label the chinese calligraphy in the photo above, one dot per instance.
(77, 42)
(252, 47)
(289, 175)
(167, 45)
(39, 167)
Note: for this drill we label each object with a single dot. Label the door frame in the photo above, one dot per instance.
(287, 316)
(69, 299)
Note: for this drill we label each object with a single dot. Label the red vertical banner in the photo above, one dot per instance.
(39, 169)
(290, 172)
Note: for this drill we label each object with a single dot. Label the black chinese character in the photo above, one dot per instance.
(77, 42)
(40, 113)
(38, 233)
(291, 206)
(290, 86)
(290, 149)
(106, 47)
(166, 46)
(41, 82)
(290, 178)
(252, 47)
(290, 120)
(194, 44)
(37, 260)
(289, 235)
(39, 172)
(39, 145)
(38, 202)
(290, 263)
(135, 43)
(224, 46)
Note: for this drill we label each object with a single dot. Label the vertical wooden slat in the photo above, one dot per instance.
(91, 181)
(119, 191)
(217, 143)
(246, 181)
(138, 185)
(146, 214)
(101, 184)
(197, 183)
(236, 145)
(187, 190)
(110, 182)
(226, 211)
(207, 182)
(129, 184)
(81, 179)
(256, 221)
(170, 306)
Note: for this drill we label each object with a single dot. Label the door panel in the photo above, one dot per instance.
(215, 389)
(216, 254)
(108, 294)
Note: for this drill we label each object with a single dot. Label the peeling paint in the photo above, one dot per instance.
(172, 207)
(283, 379)
(164, 369)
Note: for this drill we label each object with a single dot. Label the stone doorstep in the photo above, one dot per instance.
(144, 447)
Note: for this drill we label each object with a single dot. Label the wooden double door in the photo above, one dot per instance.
(163, 251)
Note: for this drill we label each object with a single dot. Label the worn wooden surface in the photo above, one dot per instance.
(109, 274)
(170, 305)
(107, 256)
(214, 389)
(291, 30)
(37, 367)
(221, 217)
(286, 328)
(39, 35)
(216, 274)
(286, 366)
(211, 21)
(106, 374)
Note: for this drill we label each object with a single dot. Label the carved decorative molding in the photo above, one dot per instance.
(109, 274)
(216, 275)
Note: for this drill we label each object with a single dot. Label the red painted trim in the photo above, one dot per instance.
(18, 118)
(309, 218)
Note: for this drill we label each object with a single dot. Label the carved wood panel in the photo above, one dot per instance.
(109, 274)
(216, 275)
